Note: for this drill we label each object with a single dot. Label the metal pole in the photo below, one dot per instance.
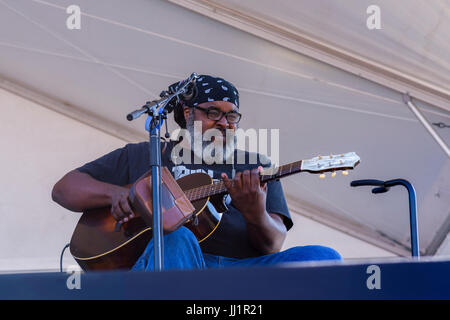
(412, 212)
(155, 164)
(430, 129)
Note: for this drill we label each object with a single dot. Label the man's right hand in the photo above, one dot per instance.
(120, 207)
(78, 191)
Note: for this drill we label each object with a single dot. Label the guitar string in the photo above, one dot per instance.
(219, 187)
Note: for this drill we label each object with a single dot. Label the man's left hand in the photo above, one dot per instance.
(247, 193)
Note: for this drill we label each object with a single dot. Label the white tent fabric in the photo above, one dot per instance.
(127, 52)
(412, 39)
(399, 44)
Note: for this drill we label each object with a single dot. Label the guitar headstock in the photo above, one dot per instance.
(332, 163)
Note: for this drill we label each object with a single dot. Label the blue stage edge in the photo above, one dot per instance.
(404, 279)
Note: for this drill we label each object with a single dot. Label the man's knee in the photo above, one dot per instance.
(181, 235)
(326, 253)
(181, 251)
(314, 252)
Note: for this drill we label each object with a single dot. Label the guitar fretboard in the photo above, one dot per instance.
(220, 188)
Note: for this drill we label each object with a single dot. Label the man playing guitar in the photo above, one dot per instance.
(253, 229)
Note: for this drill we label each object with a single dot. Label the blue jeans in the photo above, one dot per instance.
(182, 251)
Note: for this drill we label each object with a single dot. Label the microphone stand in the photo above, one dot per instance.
(384, 186)
(157, 113)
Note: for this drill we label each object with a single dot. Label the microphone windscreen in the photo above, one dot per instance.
(191, 92)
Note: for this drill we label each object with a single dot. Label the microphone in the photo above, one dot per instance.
(190, 88)
(185, 90)
(191, 92)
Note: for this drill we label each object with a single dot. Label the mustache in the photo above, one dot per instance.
(225, 131)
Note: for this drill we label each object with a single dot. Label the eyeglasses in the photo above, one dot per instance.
(232, 117)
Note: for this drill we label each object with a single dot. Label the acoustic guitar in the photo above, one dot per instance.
(99, 243)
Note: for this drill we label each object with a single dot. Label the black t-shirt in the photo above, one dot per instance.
(125, 165)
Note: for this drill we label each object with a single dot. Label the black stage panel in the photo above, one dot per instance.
(371, 279)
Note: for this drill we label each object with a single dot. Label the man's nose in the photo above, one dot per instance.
(223, 123)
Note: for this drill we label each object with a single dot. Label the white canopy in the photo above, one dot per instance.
(311, 69)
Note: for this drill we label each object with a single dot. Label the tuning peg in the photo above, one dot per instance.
(333, 174)
(322, 176)
(345, 172)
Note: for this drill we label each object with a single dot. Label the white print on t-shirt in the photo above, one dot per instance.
(181, 171)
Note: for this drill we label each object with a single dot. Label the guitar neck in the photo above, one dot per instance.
(316, 165)
(220, 188)
(282, 171)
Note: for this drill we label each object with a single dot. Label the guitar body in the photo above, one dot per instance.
(97, 244)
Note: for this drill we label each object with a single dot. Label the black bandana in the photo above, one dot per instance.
(211, 88)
